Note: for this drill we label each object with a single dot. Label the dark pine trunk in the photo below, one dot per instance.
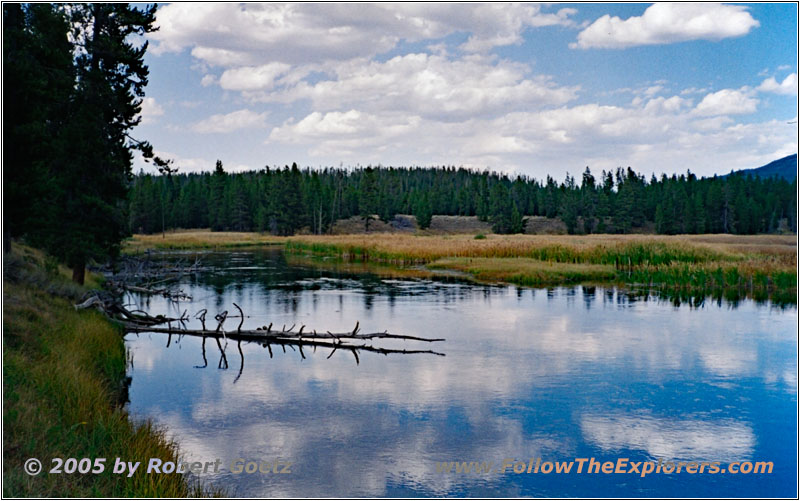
(79, 271)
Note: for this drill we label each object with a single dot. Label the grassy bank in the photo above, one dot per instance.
(198, 239)
(751, 264)
(63, 375)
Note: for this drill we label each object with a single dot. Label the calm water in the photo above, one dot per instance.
(556, 374)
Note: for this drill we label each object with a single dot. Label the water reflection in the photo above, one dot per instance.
(558, 374)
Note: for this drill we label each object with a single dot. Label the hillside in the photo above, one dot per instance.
(785, 167)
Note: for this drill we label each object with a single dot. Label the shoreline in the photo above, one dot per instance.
(752, 265)
(64, 381)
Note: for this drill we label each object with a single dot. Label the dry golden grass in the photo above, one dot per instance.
(526, 271)
(429, 248)
(694, 261)
(198, 239)
(681, 260)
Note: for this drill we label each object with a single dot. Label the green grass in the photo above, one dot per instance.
(659, 262)
(751, 264)
(63, 376)
(526, 271)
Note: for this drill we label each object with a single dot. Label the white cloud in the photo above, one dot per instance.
(788, 87)
(727, 102)
(208, 80)
(694, 90)
(664, 23)
(655, 135)
(222, 123)
(429, 85)
(315, 64)
(653, 90)
(251, 34)
(253, 77)
(150, 110)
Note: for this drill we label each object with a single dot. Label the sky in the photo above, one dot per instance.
(533, 89)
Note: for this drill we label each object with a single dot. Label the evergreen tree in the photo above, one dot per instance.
(216, 208)
(94, 173)
(423, 211)
(283, 201)
(503, 214)
(368, 199)
(38, 81)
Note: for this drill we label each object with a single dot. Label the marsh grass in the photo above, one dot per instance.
(527, 271)
(753, 262)
(704, 261)
(198, 239)
(63, 378)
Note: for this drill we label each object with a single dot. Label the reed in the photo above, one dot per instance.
(751, 262)
(756, 262)
(198, 239)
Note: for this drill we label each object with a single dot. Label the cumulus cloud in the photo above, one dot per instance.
(429, 85)
(222, 123)
(229, 35)
(316, 65)
(788, 87)
(150, 110)
(727, 102)
(665, 23)
(656, 134)
(253, 77)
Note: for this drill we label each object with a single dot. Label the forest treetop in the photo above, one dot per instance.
(286, 200)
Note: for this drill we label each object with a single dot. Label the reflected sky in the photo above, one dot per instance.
(557, 374)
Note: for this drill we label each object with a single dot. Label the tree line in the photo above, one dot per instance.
(286, 200)
(73, 83)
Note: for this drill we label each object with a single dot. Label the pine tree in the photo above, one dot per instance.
(216, 207)
(38, 83)
(95, 171)
(368, 197)
(423, 211)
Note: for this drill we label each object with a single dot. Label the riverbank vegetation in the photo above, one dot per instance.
(758, 264)
(63, 385)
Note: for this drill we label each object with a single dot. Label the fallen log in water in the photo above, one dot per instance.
(257, 335)
(342, 343)
(139, 321)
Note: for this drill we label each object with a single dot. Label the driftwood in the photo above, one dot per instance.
(137, 321)
(341, 340)
(151, 276)
(111, 307)
(142, 275)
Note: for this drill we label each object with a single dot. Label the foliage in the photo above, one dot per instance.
(77, 76)
(283, 201)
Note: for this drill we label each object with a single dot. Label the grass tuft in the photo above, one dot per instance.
(63, 378)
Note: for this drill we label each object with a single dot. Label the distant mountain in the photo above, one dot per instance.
(786, 168)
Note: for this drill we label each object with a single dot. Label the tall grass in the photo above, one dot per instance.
(198, 239)
(753, 262)
(63, 376)
(725, 261)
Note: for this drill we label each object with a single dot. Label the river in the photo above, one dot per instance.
(529, 375)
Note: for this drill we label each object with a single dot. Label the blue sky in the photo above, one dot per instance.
(535, 89)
